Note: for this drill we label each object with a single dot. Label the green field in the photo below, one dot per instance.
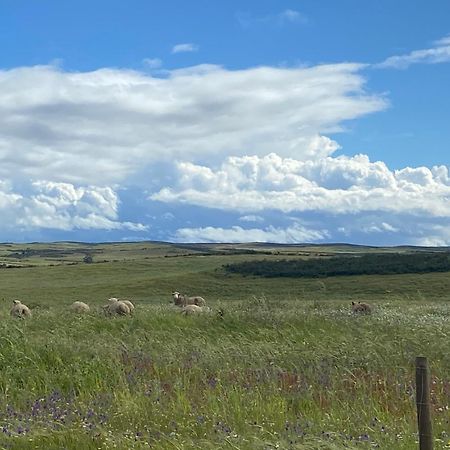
(287, 366)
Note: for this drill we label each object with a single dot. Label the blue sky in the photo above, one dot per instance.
(284, 121)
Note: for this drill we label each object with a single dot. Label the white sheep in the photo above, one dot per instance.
(20, 310)
(115, 306)
(80, 307)
(127, 302)
(184, 300)
(191, 309)
(176, 299)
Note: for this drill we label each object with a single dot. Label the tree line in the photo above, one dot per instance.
(369, 264)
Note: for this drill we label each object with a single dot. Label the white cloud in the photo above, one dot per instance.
(183, 48)
(382, 227)
(251, 218)
(102, 127)
(342, 185)
(287, 16)
(290, 235)
(61, 206)
(438, 54)
(152, 63)
(89, 133)
(291, 15)
(432, 235)
(443, 41)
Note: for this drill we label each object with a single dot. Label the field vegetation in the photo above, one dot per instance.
(286, 366)
(366, 264)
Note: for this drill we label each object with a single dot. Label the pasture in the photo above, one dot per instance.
(287, 366)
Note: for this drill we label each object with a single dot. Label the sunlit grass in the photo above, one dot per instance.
(294, 374)
(287, 366)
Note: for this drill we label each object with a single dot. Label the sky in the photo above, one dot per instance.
(240, 121)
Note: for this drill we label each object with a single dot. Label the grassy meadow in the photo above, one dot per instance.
(287, 366)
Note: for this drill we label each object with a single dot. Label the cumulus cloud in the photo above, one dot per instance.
(61, 206)
(88, 133)
(433, 235)
(101, 127)
(340, 185)
(183, 48)
(439, 53)
(293, 234)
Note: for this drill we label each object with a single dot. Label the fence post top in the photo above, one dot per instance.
(420, 360)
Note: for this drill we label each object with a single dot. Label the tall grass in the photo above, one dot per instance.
(268, 374)
(287, 366)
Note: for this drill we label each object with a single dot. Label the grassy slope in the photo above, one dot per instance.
(286, 366)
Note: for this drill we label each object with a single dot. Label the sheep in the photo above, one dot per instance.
(361, 308)
(127, 302)
(184, 300)
(80, 307)
(20, 310)
(191, 309)
(176, 298)
(115, 306)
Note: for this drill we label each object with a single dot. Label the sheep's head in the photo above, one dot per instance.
(17, 302)
(113, 300)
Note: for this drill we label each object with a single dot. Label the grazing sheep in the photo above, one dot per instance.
(184, 300)
(129, 304)
(361, 308)
(191, 309)
(116, 307)
(80, 307)
(20, 310)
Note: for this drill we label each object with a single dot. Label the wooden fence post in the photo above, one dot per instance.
(423, 404)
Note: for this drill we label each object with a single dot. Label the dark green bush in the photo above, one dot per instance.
(381, 264)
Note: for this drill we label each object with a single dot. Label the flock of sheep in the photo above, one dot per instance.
(120, 307)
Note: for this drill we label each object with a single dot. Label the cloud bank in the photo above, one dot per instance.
(349, 198)
(86, 134)
(234, 142)
(61, 206)
(342, 185)
(101, 127)
(290, 235)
